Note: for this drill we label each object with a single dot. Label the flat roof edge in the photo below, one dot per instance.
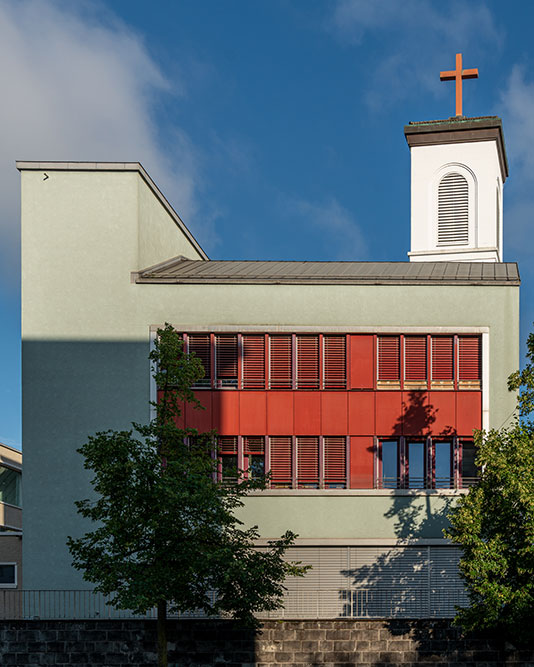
(34, 165)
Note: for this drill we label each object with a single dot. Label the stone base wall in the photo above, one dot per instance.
(337, 643)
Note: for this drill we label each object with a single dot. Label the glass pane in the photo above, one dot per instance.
(256, 466)
(443, 465)
(390, 469)
(10, 486)
(416, 465)
(7, 574)
(469, 469)
(229, 467)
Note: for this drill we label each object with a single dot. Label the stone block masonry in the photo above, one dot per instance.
(198, 643)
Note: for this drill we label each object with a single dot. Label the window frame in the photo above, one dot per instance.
(15, 572)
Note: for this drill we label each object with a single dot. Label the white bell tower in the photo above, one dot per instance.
(458, 170)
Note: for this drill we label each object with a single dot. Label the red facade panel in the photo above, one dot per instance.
(334, 413)
(198, 418)
(226, 412)
(362, 367)
(442, 412)
(417, 418)
(253, 412)
(280, 413)
(361, 462)
(361, 413)
(307, 412)
(468, 412)
(389, 413)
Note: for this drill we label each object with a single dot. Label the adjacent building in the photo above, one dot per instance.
(357, 385)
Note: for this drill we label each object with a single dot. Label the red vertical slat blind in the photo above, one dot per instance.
(335, 461)
(253, 361)
(226, 359)
(280, 362)
(281, 462)
(388, 359)
(335, 365)
(469, 358)
(307, 461)
(308, 362)
(442, 358)
(415, 358)
(200, 345)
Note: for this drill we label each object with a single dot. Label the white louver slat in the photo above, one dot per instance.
(453, 210)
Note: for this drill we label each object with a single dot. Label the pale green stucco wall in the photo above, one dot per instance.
(86, 341)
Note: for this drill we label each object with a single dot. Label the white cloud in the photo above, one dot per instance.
(77, 87)
(343, 237)
(405, 31)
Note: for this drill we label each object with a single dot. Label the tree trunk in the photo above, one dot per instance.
(162, 633)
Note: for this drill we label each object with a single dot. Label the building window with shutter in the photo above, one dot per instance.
(253, 352)
(308, 462)
(281, 462)
(335, 462)
(469, 362)
(227, 456)
(388, 352)
(469, 472)
(307, 362)
(453, 210)
(225, 361)
(334, 362)
(280, 362)
(200, 345)
(254, 456)
(389, 464)
(442, 362)
(415, 362)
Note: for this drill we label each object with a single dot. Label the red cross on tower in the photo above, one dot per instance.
(457, 75)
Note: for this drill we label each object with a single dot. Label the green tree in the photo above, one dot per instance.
(166, 533)
(494, 523)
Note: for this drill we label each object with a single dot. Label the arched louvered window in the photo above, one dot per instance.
(453, 210)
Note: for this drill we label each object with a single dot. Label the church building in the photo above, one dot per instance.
(356, 385)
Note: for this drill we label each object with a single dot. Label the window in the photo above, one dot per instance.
(442, 361)
(469, 362)
(421, 463)
(281, 462)
(10, 486)
(225, 361)
(415, 362)
(281, 362)
(389, 361)
(335, 362)
(453, 210)
(8, 575)
(307, 362)
(335, 462)
(253, 348)
(200, 345)
(308, 462)
(254, 455)
(389, 465)
(228, 468)
(468, 469)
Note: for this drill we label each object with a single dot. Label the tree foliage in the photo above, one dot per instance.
(494, 523)
(166, 530)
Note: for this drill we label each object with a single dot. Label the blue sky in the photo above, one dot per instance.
(274, 127)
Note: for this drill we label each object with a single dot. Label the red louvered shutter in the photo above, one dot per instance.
(280, 363)
(415, 360)
(388, 359)
(254, 451)
(335, 364)
(308, 362)
(335, 462)
(200, 345)
(308, 462)
(443, 360)
(253, 362)
(469, 366)
(281, 462)
(226, 360)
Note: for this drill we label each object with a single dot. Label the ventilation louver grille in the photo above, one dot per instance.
(453, 210)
